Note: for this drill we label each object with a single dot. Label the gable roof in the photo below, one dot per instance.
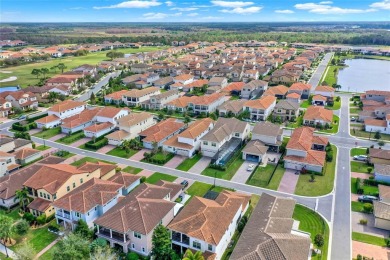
(224, 127)
(318, 113)
(66, 105)
(25, 153)
(278, 90)
(324, 88)
(161, 130)
(267, 128)
(287, 104)
(263, 103)
(300, 86)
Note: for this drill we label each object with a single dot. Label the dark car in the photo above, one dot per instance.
(184, 184)
(367, 199)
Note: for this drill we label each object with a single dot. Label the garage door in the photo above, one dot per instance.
(252, 158)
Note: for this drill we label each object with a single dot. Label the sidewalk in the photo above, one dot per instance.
(10, 252)
(47, 248)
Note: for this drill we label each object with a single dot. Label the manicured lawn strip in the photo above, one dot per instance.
(68, 155)
(336, 105)
(276, 178)
(261, 176)
(331, 77)
(311, 222)
(357, 206)
(334, 127)
(14, 213)
(88, 159)
(354, 110)
(367, 190)
(358, 151)
(359, 167)
(228, 173)
(322, 184)
(42, 147)
(131, 170)
(198, 189)
(119, 152)
(364, 134)
(69, 139)
(48, 255)
(4, 257)
(220, 189)
(155, 177)
(353, 186)
(46, 134)
(373, 240)
(305, 104)
(189, 162)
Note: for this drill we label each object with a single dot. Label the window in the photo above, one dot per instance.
(54, 196)
(205, 143)
(237, 134)
(48, 196)
(81, 180)
(44, 195)
(40, 194)
(77, 214)
(68, 188)
(137, 235)
(143, 249)
(132, 245)
(196, 245)
(95, 208)
(74, 185)
(213, 144)
(210, 247)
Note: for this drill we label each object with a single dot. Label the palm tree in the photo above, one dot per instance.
(22, 196)
(189, 255)
(6, 228)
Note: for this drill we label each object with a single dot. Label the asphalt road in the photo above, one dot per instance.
(316, 77)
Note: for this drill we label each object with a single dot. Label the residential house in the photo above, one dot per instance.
(130, 126)
(377, 125)
(98, 129)
(66, 108)
(382, 172)
(251, 75)
(231, 108)
(22, 100)
(128, 181)
(187, 143)
(159, 101)
(135, 97)
(61, 90)
(140, 68)
(280, 92)
(301, 89)
(218, 82)
(285, 77)
(180, 104)
(270, 234)
(305, 150)
(163, 83)
(131, 222)
(382, 208)
(318, 116)
(219, 220)
(115, 97)
(253, 89)
(79, 121)
(294, 97)
(268, 133)
(319, 100)
(233, 88)
(254, 151)
(159, 133)
(27, 155)
(184, 79)
(379, 156)
(286, 110)
(377, 95)
(5, 107)
(8, 163)
(325, 91)
(206, 104)
(9, 144)
(260, 109)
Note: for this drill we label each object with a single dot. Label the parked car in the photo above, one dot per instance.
(367, 199)
(250, 167)
(353, 119)
(22, 117)
(360, 158)
(184, 184)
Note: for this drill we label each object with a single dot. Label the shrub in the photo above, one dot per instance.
(54, 227)
(97, 144)
(132, 256)
(359, 257)
(98, 242)
(359, 189)
(28, 217)
(363, 221)
(367, 207)
(143, 179)
(21, 227)
(41, 219)
(319, 240)
(369, 169)
(217, 167)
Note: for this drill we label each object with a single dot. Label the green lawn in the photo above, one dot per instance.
(322, 184)
(88, 159)
(23, 72)
(358, 151)
(69, 139)
(46, 134)
(228, 173)
(354, 110)
(334, 127)
(360, 167)
(336, 105)
(305, 104)
(364, 134)
(261, 176)
(357, 206)
(4, 257)
(199, 189)
(353, 186)
(64, 155)
(276, 179)
(373, 240)
(48, 255)
(42, 147)
(131, 170)
(189, 162)
(155, 177)
(367, 190)
(331, 76)
(311, 222)
(14, 213)
(119, 152)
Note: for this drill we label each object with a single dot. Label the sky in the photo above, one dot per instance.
(193, 11)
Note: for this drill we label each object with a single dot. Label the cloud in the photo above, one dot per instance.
(169, 3)
(240, 10)
(185, 9)
(284, 11)
(381, 5)
(131, 4)
(192, 14)
(328, 9)
(326, 2)
(153, 16)
(77, 8)
(229, 4)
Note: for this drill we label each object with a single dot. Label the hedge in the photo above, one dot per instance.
(73, 137)
(23, 128)
(359, 188)
(33, 119)
(372, 182)
(97, 144)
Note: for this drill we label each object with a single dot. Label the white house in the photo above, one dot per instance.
(98, 129)
(260, 109)
(184, 79)
(66, 108)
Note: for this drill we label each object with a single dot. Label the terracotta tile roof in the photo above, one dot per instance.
(325, 89)
(312, 157)
(196, 128)
(318, 113)
(161, 130)
(124, 179)
(87, 196)
(140, 211)
(375, 122)
(319, 98)
(181, 102)
(103, 167)
(79, 119)
(39, 204)
(263, 103)
(47, 119)
(25, 153)
(174, 142)
(61, 80)
(208, 220)
(300, 86)
(110, 112)
(293, 95)
(66, 105)
(98, 127)
(234, 86)
(197, 83)
(379, 153)
(118, 135)
(116, 95)
(302, 139)
(184, 77)
(278, 90)
(378, 92)
(206, 99)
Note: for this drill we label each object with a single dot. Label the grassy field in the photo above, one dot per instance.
(358, 151)
(360, 167)
(357, 206)
(373, 240)
(46, 134)
(354, 110)
(119, 152)
(155, 177)
(14, 213)
(335, 126)
(48, 255)
(228, 173)
(42, 147)
(305, 104)
(311, 222)
(88, 159)
(131, 170)
(199, 189)
(364, 134)
(322, 184)
(189, 162)
(23, 72)
(367, 190)
(331, 77)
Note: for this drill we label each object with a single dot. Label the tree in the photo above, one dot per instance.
(161, 116)
(213, 116)
(74, 247)
(187, 119)
(377, 135)
(103, 254)
(193, 256)
(381, 143)
(21, 227)
(52, 96)
(44, 71)
(319, 240)
(61, 66)
(36, 72)
(161, 244)
(98, 242)
(6, 229)
(25, 252)
(83, 230)
(93, 98)
(41, 219)
(22, 197)
(54, 68)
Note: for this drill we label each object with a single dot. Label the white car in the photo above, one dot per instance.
(250, 167)
(360, 157)
(353, 119)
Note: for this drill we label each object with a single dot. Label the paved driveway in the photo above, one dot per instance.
(360, 175)
(56, 137)
(80, 142)
(34, 131)
(73, 159)
(106, 149)
(242, 174)
(145, 173)
(175, 161)
(376, 252)
(289, 181)
(139, 155)
(200, 165)
(369, 228)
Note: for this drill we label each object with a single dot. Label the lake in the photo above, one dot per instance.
(364, 74)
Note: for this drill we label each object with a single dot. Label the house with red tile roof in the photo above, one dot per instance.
(301, 89)
(260, 109)
(98, 129)
(374, 125)
(317, 115)
(305, 150)
(22, 100)
(206, 104)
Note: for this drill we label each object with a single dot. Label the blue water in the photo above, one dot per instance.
(9, 88)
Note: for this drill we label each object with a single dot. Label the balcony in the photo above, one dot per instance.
(180, 238)
(114, 236)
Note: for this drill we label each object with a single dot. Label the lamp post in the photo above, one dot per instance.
(215, 177)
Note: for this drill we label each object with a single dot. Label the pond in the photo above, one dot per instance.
(364, 74)
(9, 88)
